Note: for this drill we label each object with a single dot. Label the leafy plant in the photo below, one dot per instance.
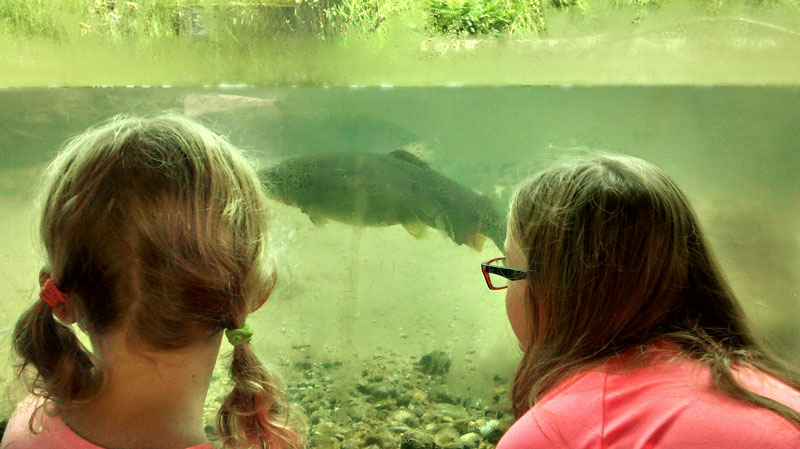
(486, 16)
(127, 19)
(329, 18)
(470, 16)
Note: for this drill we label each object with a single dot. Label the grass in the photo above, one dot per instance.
(28, 18)
(230, 22)
(399, 42)
(216, 20)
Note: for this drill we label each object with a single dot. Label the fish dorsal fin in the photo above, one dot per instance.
(408, 157)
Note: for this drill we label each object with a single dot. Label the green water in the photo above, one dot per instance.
(347, 294)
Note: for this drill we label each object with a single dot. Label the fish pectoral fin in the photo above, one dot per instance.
(415, 228)
(317, 218)
(475, 241)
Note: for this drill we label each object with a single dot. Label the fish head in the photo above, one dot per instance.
(288, 181)
(277, 182)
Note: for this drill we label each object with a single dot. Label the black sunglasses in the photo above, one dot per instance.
(512, 274)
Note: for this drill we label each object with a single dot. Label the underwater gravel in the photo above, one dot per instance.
(393, 403)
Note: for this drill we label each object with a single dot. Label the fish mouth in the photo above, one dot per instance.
(273, 183)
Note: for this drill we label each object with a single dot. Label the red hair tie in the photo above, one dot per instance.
(51, 295)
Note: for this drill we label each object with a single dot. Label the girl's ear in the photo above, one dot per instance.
(274, 281)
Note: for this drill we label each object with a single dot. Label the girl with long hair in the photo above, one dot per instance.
(631, 336)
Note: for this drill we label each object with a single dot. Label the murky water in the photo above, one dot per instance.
(349, 293)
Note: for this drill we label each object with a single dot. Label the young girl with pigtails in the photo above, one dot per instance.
(154, 237)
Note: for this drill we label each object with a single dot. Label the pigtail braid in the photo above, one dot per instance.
(65, 369)
(256, 412)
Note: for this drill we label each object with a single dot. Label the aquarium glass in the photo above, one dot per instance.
(369, 322)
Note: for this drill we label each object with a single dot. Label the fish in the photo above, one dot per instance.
(384, 189)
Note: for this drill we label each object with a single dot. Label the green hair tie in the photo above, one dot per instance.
(239, 336)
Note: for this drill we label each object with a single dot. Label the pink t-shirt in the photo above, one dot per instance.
(54, 435)
(666, 404)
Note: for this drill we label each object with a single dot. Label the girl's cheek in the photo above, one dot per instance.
(515, 309)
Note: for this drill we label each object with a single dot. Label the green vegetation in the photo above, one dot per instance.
(28, 18)
(219, 21)
(471, 16)
(398, 42)
(216, 20)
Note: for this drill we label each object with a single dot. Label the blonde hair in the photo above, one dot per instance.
(618, 261)
(157, 225)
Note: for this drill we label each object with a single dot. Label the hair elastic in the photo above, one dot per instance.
(51, 295)
(239, 336)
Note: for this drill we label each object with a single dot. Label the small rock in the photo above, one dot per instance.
(405, 417)
(491, 431)
(442, 394)
(454, 411)
(340, 416)
(363, 387)
(466, 426)
(448, 438)
(499, 394)
(470, 440)
(404, 400)
(382, 438)
(350, 444)
(324, 442)
(355, 412)
(304, 366)
(320, 415)
(361, 427)
(326, 428)
(383, 391)
(418, 397)
(436, 362)
(416, 439)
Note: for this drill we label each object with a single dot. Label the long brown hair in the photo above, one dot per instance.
(618, 261)
(157, 225)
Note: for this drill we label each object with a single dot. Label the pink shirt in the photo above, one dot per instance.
(664, 405)
(55, 433)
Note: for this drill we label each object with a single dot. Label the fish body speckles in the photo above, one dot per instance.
(367, 189)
